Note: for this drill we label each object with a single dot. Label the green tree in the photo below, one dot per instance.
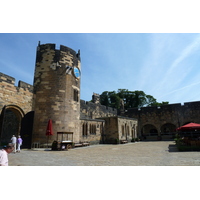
(131, 99)
(160, 104)
(151, 101)
(114, 100)
(104, 98)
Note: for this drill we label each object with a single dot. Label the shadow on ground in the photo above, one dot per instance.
(173, 148)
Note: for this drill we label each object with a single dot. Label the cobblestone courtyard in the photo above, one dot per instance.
(161, 153)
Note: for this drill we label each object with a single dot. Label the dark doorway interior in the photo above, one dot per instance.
(11, 126)
(14, 122)
(10, 123)
(26, 129)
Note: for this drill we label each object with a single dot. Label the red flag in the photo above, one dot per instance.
(49, 130)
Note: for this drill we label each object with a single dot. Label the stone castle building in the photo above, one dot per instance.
(55, 94)
(161, 122)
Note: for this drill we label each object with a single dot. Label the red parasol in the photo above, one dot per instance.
(190, 126)
(49, 130)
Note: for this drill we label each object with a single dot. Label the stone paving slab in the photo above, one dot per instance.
(158, 153)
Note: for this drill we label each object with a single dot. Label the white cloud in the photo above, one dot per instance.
(176, 68)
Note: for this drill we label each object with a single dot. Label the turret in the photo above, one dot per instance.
(56, 91)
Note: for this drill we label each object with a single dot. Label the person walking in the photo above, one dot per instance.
(14, 141)
(19, 143)
(4, 154)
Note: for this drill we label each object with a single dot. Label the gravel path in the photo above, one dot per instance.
(158, 153)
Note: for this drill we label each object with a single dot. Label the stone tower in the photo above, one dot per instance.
(56, 93)
(96, 98)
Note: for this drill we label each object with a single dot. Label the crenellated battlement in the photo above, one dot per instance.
(167, 107)
(50, 46)
(20, 95)
(41, 47)
(24, 85)
(94, 105)
(5, 79)
(93, 110)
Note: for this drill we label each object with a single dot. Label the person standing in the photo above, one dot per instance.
(19, 143)
(14, 141)
(4, 154)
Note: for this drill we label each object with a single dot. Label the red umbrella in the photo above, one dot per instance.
(49, 130)
(190, 126)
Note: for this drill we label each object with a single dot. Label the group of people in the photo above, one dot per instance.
(17, 142)
(11, 147)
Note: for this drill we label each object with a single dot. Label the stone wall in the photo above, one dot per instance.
(92, 131)
(120, 128)
(20, 95)
(173, 114)
(91, 110)
(111, 130)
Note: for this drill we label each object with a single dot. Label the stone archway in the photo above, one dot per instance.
(10, 122)
(168, 131)
(149, 132)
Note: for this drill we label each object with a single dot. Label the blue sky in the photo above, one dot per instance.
(164, 65)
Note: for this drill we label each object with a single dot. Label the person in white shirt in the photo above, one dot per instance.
(4, 154)
(14, 141)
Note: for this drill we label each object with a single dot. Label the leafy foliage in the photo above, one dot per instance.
(131, 99)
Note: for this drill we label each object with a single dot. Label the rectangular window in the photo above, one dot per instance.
(122, 130)
(92, 129)
(128, 133)
(75, 95)
(84, 129)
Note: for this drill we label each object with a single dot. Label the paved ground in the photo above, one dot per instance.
(161, 153)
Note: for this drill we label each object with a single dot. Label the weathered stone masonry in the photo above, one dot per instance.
(165, 119)
(15, 102)
(10, 94)
(90, 110)
(54, 91)
(55, 95)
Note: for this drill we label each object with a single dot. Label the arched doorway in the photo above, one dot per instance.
(149, 132)
(10, 122)
(168, 131)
